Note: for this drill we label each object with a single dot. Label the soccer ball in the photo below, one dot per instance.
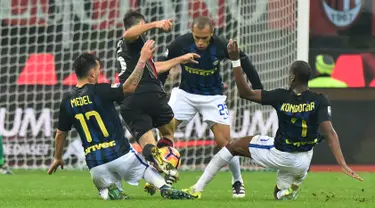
(171, 155)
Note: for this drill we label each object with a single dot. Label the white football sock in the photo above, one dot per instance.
(234, 167)
(152, 176)
(216, 164)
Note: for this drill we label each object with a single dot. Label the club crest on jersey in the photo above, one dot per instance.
(216, 62)
(116, 85)
(342, 13)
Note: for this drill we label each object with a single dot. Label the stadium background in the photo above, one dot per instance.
(28, 104)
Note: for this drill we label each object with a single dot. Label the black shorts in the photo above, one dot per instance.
(143, 112)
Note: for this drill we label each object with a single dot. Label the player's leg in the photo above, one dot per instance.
(290, 178)
(134, 111)
(179, 108)
(215, 114)
(222, 137)
(152, 176)
(239, 147)
(167, 115)
(132, 168)
(3, 168)
(287, 188)
(107, 182)
(166, 132)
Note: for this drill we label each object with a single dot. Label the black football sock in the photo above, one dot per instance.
(147, 152)
(164, 142)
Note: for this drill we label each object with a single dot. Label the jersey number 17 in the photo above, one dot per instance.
(81, 118)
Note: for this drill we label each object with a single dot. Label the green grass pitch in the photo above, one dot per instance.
(75, 189)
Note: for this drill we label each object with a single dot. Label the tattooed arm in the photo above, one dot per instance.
(135, 77)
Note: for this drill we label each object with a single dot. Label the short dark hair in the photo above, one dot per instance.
(84, 63)
(202, 21)
(302, 71)
(131, 18)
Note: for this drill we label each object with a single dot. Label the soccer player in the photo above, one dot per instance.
(301, 113)
(90, 109)
(3, 167)
(147, 107)
(201, 87)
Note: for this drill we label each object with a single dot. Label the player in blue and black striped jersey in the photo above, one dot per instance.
(89, 107)
(201, 86)
(304, 118)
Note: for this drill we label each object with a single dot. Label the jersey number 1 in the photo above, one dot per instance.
(81, 118)
(304, 126)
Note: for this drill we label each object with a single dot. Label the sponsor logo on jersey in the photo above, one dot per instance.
(99, 146)
(202, 72)
(303, 143)
(342, 13)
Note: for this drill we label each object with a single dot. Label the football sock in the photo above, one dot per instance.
(234, 166)
(1, 151)
(147, 152)
(216, 164)
(153, 177)
(164, 142)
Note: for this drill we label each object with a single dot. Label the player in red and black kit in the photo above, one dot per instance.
(147, 107)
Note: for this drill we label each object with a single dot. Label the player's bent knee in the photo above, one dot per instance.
(221, 143)
(221, 134)
(240, 147)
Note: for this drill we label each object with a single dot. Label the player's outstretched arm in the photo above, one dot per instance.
(134, 32)
(135, 77)
(59, 147)
(249, 69)
(332, 138)
(244, 90)
(164, 66)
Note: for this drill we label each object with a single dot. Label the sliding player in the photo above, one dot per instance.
(201, 88)
(147, 107)
(301, 113)
(90, 109)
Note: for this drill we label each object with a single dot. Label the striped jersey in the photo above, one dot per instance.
(299, 118)
(91, 111)
(204, 77)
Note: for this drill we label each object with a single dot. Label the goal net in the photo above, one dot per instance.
(41, 38)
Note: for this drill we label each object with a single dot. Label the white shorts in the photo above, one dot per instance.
(291, 167)
(129, 167)
(212, 107)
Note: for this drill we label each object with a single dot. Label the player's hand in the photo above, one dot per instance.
(233, 50)
(55, 164)
(165, 25)
(147, 50)
(190, 58)
(350, 172)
